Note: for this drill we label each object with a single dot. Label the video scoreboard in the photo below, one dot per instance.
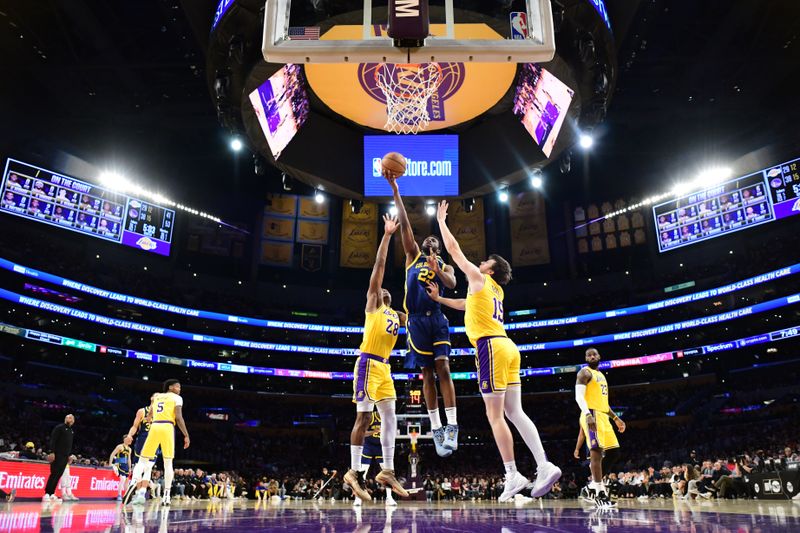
(38, 194)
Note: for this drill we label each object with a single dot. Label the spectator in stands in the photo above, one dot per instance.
(29, 452)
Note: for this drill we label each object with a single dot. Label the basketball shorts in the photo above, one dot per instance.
(602, 439)
(123, 468)
(162, 434)
(497, 360)
(427, 339)
(141, 438)
(372, 451)
(372, 380)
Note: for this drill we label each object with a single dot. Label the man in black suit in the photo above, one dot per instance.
(60, 450)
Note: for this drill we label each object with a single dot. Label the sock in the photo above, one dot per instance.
(436, 422)
(511, 468)
(355, 457)
(363, 468)
(597, 487)
(388, 493)
(388, 457)
(450, 413)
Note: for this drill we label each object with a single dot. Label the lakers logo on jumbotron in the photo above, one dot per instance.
(452, 77)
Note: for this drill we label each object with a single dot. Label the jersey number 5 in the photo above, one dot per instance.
(159, 407)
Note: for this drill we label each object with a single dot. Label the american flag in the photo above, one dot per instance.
(304, 33)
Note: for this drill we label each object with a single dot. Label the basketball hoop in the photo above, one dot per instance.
(407, 88)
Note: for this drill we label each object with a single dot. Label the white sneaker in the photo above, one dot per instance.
(138, 499)
(796, 496)
(390, 502)
(521, 498)
(46, 498)
(357, 502)
(546, 475)
(513, 484)
(643, 498)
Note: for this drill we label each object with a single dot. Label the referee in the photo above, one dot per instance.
(60, 450)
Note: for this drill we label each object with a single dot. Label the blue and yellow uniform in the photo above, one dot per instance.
(123, 461)
(141, 435)
(497, 357)
(372, 380)
(427, 329)
(372, 443)
(162, 430)
(597, 402)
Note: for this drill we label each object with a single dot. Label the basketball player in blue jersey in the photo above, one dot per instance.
(140, 428)
(428, 330)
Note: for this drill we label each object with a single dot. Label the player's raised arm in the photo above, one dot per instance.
(410, 246)
(137, 422)
(475, 279)
(374, 293)
(460, 304)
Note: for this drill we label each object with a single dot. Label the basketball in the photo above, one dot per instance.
(394, 163)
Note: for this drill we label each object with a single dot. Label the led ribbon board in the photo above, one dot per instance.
(323, 350)
(58, 340)
(327, 328)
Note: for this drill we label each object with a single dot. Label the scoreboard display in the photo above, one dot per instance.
(38, 194)
(732, 206)
(784, 186)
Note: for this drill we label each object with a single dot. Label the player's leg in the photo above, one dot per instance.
(514, 481)
(169, 476)
(354, 477)
(386, 477)
(440, 334)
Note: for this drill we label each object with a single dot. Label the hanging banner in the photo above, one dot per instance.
(278, 229)
(309, 208)
(468, 229)
(277, 253)
(311, 257)
(312, 231)
(359, 236)
(529, 245)
(282, 205)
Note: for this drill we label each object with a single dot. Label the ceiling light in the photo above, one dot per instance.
(585, 141)
(236, 144)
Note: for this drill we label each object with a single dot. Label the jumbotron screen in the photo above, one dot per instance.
(431, 164)
(732, 206)
(42, 195)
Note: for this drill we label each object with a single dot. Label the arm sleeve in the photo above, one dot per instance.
(580, 398)
(178, 400)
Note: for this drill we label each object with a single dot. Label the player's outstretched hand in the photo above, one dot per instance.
(390, 224)
(390, 176)
(433, 263)
(441, 213)
(433, 291)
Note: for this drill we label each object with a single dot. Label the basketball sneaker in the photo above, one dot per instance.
(390, 502)
(602, 501)
(131, 490)
(451, 437)
(12, 496)
(587, 494)
(546, 475)
(357, 502)
(387, 479)
(513, 484)
(356, 482)
(438, 442)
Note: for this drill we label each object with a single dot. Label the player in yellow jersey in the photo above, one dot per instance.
(166, 411)
(372, 381)
(591, 395)
(497, 361)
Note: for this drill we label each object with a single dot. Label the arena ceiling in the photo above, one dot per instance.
(124, 82)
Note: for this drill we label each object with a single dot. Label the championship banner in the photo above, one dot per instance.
(311, 257)
(529, 245)
(208, 237)
(359, 243)
(312, 231)
(309, 208)
(30, 477)
(278, 229)
(368, 212)
(468, 229)
(284, 205)
(277, 253)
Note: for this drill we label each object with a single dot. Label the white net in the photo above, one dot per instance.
(407, 89)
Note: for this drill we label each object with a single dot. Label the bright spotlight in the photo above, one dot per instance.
(536, 182)
(236, 144)
(713, 175)
(430, 210)
(503, 195)
(114, 181)
(586, 141)
(319, 197)
(393, 210)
